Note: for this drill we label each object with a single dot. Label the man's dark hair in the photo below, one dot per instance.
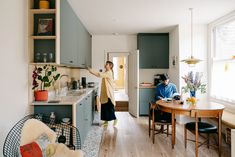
(164, 77)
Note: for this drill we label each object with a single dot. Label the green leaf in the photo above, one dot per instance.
(56, 77)
(49, 73)
(45, 79)
(40, 77)
(39, 69)
(47, 84)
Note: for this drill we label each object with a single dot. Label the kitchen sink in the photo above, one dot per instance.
(75, 93)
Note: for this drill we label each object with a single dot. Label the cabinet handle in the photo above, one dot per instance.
(70, 61)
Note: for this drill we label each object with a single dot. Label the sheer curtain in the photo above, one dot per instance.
(223, 68)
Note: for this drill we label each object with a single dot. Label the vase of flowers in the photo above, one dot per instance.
(193, 84)
(43, 77)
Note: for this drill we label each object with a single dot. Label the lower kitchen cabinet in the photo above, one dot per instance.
(84, 116)
(83, 113)
(145, 96)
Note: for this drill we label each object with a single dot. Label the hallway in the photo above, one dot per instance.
(130, 139)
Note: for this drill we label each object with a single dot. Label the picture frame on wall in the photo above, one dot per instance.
(45, 26)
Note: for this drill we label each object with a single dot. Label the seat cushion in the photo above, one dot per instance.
(202, 127)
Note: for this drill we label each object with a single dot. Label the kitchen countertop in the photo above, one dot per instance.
(70, 99)
(143, 87)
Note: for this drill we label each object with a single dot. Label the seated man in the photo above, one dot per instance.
(165, 89)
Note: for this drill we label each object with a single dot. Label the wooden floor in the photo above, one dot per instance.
(130, 139)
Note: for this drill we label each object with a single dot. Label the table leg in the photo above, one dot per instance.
(173, 129)
(219, 134)
(196, 136)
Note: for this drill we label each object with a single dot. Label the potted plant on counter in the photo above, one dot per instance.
(43, 77)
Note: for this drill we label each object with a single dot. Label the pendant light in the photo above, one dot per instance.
(191, 60)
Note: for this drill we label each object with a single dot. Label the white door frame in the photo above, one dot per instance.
(121, 54)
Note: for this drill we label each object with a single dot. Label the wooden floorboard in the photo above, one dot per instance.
(130, 139)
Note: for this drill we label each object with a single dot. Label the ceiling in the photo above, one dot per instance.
(134, 16)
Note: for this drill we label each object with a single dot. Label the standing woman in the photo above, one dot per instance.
(107, 93)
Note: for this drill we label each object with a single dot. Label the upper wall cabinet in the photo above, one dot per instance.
(75, 45)
(154, 50)
(57, 36)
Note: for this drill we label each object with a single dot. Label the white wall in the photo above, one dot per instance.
(200, 51)
(13, 63)
(147, 75)
(174, 51)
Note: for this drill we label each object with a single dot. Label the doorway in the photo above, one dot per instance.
(120, 61)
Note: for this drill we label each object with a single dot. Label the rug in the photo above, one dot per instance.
(91, 145)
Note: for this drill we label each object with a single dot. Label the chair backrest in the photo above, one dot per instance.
(12, 141)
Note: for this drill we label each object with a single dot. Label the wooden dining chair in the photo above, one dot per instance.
(199, 127)
(153, 121)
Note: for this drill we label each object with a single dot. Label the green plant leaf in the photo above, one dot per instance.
(45, 79)
(49, 73)
(47, 84)
(56, 77)
(40, 77)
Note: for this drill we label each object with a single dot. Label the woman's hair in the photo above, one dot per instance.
(111, 66)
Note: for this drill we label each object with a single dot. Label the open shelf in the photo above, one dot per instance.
(43, 37)
(43, 11)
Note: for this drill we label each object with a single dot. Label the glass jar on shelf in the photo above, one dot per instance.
(44, 57)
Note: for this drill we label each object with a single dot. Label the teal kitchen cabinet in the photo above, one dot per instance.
(154, 50)
(145, 96)
(75, 40)
(84, 116)
(80, 119)
(68, 35)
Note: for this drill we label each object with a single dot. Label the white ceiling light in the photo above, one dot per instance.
(191, 60)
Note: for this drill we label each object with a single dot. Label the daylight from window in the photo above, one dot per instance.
(223, 66)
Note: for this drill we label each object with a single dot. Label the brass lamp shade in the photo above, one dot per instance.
(191, 60)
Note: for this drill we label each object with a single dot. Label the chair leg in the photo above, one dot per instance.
(185, 137)
(208, 141)
(162, 128)
(153, 132)
(167, 130)
(149, 126)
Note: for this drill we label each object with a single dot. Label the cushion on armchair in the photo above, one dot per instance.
(61, 150)
(33, 129)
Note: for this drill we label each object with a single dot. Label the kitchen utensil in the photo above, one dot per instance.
(84, 82)
(71, 145)
(62, 138)
(74, 85)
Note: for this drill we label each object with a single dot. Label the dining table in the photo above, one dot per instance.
(207, 108)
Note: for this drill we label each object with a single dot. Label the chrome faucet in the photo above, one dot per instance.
(64, 75)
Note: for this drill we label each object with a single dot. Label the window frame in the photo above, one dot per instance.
(211, 49)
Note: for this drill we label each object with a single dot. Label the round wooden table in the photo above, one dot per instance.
(204, 109)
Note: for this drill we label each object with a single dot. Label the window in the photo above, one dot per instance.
(223, 62)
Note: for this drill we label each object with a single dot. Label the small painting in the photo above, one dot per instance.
(45, 26)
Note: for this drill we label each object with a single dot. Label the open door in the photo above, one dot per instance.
(133, 85)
